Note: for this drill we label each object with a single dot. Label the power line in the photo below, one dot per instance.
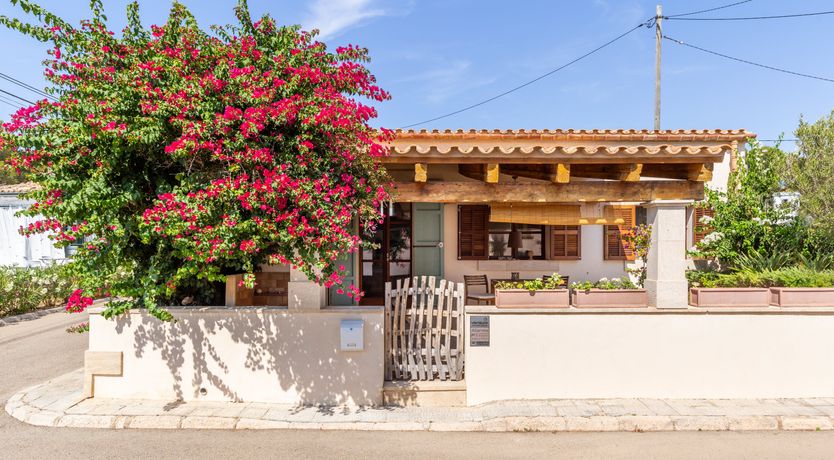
(26, 85)
(17, 97)
(10, 102)
(528, 83)
(706, 11)
(752, 18)
(679, 42)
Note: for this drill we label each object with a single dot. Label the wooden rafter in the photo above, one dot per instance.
(700, 172)
(583, 191)
(421, 172)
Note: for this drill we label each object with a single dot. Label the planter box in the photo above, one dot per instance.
(729, 297)
(522, 298)
(610, 298)
(802, 297)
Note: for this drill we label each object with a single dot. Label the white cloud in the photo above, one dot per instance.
(451, 79)
(332, 17)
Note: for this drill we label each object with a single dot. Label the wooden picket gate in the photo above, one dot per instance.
(424, 330)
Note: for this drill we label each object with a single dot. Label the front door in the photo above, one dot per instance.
(391, 260)
(428, 239)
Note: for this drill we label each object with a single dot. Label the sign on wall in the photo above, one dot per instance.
(479, 331)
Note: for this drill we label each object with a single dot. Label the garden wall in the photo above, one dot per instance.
(539, 354)
(242, 354)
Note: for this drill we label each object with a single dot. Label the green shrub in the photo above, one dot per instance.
(605, 284)
(27, 289)
(796, 276)
(818, 262)
(553, 282)
(757, 261)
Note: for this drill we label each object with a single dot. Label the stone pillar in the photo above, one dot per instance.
(303, 294)
(666, 275)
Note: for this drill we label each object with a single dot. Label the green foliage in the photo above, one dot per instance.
(605, 284)
(755, 261)
(27, 289)
(747, 222)
(818, 262)
(811, 171)
(638, 239)
(784, 277)
(555, 281)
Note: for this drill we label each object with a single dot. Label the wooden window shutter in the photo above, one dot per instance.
(473, 232)
(566, 242)
(699, 230)
(613, 244)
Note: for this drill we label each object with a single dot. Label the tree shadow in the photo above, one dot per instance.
(244, 353)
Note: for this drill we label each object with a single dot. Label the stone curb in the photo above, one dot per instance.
(58, 403)
(27, 413)
(7, 320)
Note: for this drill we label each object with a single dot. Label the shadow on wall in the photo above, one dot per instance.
(251, 355)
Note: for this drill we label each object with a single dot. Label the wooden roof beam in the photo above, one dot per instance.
(421, 172)
(574, 192)
(484, 172)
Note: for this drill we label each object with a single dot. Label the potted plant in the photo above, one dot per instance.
(802, 287)
(742, 289)
(605, 293)
(537, 293)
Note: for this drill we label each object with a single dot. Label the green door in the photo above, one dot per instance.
(337, 299)
(427, 240)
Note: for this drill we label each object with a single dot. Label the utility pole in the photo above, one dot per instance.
(658, 39)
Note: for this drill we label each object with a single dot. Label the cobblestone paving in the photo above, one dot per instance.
(59, 403)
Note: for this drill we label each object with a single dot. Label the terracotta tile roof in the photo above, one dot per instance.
(565, 143)
(22, 187)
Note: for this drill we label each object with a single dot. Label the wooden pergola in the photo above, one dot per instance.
(565, 166)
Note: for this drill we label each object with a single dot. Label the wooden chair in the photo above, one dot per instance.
(475, 281)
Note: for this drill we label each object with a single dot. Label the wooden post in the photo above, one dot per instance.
(657, 51)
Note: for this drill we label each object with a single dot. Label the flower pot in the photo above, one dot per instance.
(802, 297)
(729, 297)
(610, 298)
(522, 298)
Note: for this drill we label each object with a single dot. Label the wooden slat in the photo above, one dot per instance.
(388, 331)
(436, 332)
(587, 191)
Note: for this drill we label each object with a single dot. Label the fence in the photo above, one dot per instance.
(424, 330)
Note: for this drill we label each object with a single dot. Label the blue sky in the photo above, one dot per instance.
(436, 56)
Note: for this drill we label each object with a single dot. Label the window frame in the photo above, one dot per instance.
(542, 230)
(564, 228)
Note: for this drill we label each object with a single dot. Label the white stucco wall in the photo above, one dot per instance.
(243, 354)
(592, 266)
(651, 355)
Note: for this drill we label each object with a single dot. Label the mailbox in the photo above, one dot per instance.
(352, 335)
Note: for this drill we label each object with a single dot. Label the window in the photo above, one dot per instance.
(532, 241)
(566, 242)
(700, 229)
(473, 232)
(613, 241)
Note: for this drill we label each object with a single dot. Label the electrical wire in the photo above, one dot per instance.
(17, 97)
(10, 102)
(679, 42)
(530, 82)
(752, 18)
(26, 86)
(705, 11)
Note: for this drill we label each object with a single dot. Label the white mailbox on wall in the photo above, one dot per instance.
(352, 334)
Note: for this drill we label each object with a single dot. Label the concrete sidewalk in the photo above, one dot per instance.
(59, 403)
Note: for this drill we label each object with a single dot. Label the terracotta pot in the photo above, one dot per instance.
(729, 297)
(522, 298)
(802, 297)
(610, 298)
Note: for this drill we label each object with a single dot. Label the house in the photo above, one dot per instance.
(16, 249)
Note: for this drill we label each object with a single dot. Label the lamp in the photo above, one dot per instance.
(515, 238)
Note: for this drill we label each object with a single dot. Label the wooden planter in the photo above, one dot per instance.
(610, 298)
(802, 297)
(522, 298)
(729, 297)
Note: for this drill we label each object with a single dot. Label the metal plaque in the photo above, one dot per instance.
(479, 331)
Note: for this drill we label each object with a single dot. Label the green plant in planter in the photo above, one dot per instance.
(604, 284)
(553, 282)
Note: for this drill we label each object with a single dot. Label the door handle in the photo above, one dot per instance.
(440, 245)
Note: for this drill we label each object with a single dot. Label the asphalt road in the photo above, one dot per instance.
(35, 351)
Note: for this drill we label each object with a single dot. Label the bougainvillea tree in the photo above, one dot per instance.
(180, 156)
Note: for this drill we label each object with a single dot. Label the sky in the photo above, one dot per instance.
(437, 56)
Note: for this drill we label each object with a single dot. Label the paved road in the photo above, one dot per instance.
(35, 351)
